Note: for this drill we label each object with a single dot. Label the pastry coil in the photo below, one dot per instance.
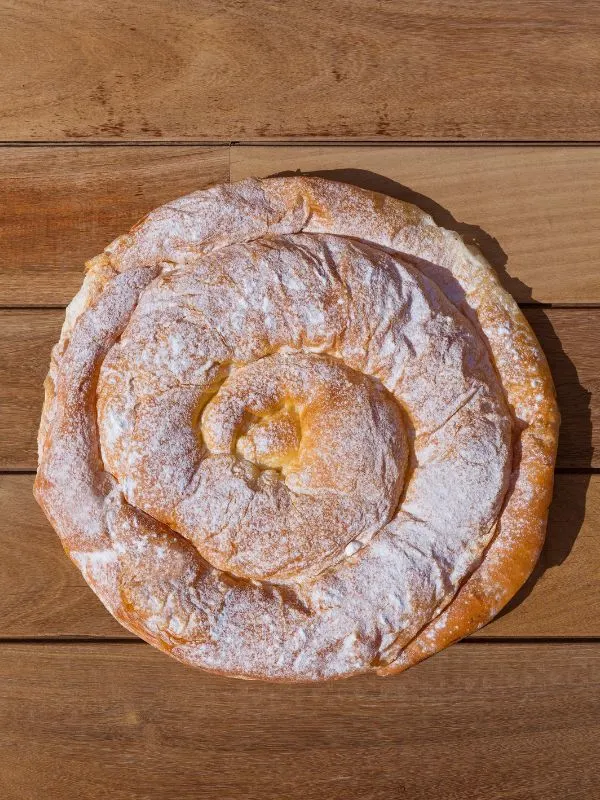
(294, 430)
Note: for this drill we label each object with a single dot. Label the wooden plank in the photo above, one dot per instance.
(43, 594)
(534, 212)
(504, 722)
(204, 69)
(541, 206)
(570, 338)
(64, 205)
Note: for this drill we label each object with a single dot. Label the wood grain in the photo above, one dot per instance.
(64, 205)
(534, 212)
(44, 595)
(570, 338)
(208, 70)
(121, 721)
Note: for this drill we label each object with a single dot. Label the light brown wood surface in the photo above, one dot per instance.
(44, 595)
(63, 205)
(533, 211)
(109, 109)
(121, 721)
(207, 69)
(522, 205)
(570, 338)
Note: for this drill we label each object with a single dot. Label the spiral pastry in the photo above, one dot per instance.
(293, 430)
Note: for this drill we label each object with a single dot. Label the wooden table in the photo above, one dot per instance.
(484, 113)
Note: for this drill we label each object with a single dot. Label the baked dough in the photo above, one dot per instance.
(294, 430)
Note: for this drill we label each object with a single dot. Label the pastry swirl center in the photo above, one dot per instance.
(305, 456)
(272, 440)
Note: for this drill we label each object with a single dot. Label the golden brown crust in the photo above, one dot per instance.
(105, 549)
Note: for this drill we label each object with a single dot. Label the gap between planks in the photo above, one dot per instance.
(303, 142)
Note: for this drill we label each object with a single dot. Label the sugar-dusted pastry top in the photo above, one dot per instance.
(294, 430)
